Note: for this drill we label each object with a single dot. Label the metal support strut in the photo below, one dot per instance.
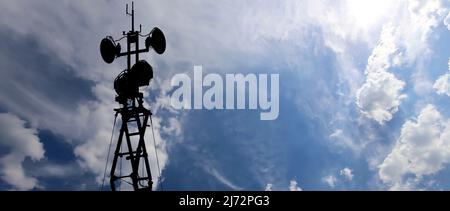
(135, 150)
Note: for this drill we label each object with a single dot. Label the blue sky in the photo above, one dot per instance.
(363, 92)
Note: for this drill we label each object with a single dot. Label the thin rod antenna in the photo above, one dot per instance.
(131, 14)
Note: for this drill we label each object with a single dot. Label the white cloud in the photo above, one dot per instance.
(293, 186)
(268, 187)
(347, 173)
(404, 41)
(423, 148)
(415, 33)
(330, 180)
(447, 21)
(21, 142)
(213, 172)
(340, 139)
(442, 84)
(174, 127)
(380, 96)
(422, 19)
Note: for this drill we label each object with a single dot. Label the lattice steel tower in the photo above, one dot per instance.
(135, 117)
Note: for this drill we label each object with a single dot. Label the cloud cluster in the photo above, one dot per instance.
(408, 43)
(347, 173)
(330, 180)
(344, 175)
(21, 143)
(268, 187)
(380, 96)
(293, 186)
(442, 84)
(423, 148)
(404, 42)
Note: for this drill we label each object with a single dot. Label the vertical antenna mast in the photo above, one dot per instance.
(131, 14)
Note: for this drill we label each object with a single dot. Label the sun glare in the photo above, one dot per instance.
(365, 13)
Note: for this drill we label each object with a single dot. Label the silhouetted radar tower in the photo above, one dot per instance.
(134, 115)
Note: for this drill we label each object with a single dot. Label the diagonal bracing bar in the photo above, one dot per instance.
(135, 150)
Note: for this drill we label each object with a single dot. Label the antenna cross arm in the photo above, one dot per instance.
(133, 52)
